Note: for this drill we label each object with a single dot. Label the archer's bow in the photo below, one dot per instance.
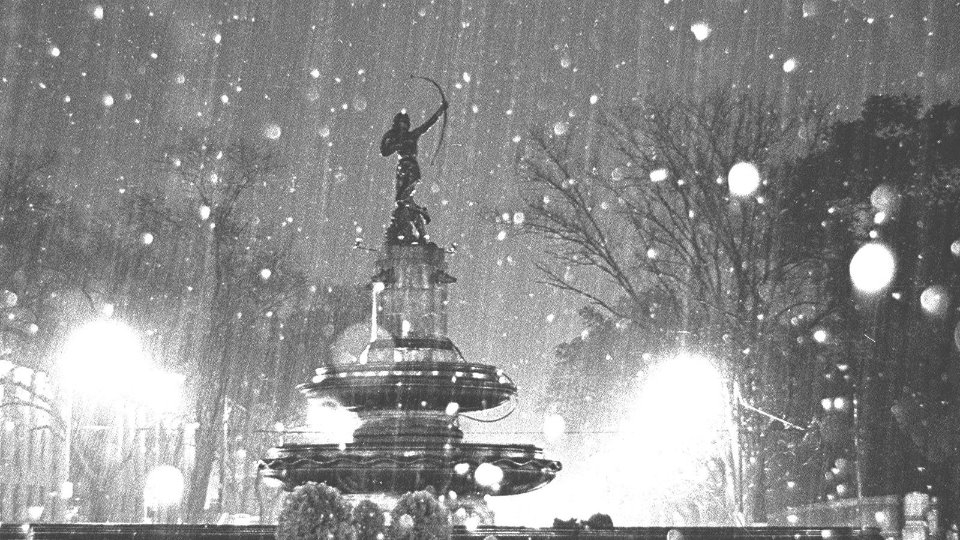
(443, 126)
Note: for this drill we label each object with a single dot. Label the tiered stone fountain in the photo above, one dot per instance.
(409, 388)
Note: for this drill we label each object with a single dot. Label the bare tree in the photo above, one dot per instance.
(641, 201)
(238, 282)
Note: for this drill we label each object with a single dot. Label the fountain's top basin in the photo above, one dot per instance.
(412, 386)
(464, 468)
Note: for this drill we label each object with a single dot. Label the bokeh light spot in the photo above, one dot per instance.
(935, 300)
(872, 268)
(743, 179)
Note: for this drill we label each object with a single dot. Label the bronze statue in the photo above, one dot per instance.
(408, 220)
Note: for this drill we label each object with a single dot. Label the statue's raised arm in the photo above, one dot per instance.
(431, 121)
(408, 221)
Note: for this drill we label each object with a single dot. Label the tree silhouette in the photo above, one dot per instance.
(893, 176)
(642, 224)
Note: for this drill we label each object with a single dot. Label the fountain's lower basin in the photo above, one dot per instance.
(389, 468)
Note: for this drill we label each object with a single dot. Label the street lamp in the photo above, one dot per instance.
(694, 408)
(671, 435)
(104, 364)
(101, 359)
(104, 361)
(685, 400)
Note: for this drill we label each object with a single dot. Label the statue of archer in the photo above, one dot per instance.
(408, 220)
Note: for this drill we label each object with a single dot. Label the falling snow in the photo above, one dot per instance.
(137, 105)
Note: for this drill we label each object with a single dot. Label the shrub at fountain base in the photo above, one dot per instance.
(315, 511)
(368, 520)
(419, 516)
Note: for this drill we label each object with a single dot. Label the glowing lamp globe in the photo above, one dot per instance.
(743, 179)
(872, 268)
(164, 486)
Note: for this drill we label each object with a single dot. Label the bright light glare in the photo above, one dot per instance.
(872, 268)
(103, 357)
(163, 393)
(163, 487)
(105, 361)
(553, 427)
(34, 513)
(743, 179)
(670, 439)
(333, 423)
(682, 401)
(674, 425)
(488, 475)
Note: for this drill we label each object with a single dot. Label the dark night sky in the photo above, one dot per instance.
(107, 84)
